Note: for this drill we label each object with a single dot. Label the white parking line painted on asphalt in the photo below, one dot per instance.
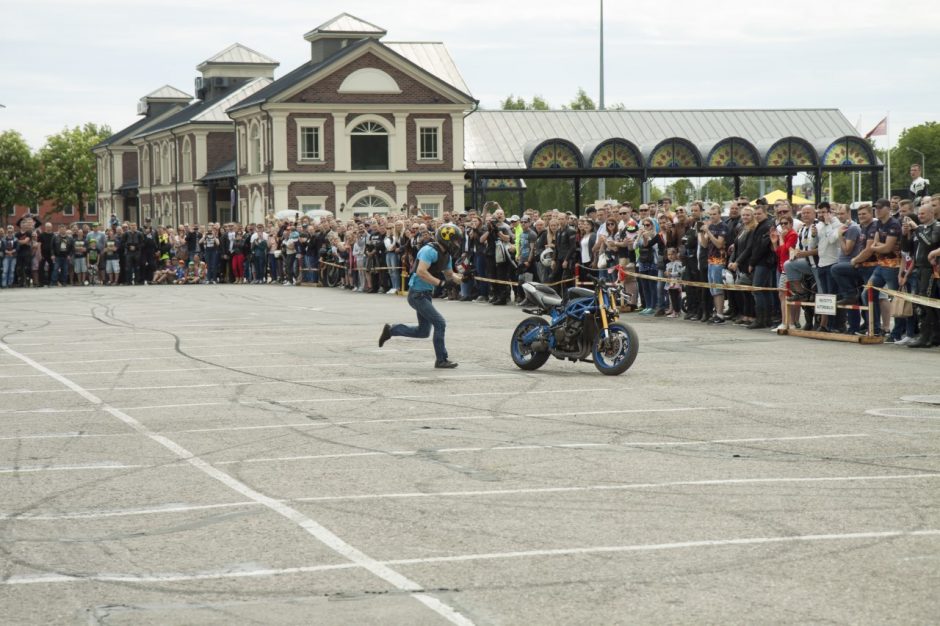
(317, 531)
(324, 424)
(70, 468)
(677, 409)
(27, 579)
(181, 508)
(150, 358)
(680, 545)
(624, 487)
(116, 465)
(910, 413)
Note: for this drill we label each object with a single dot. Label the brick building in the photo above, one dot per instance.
(363, 126)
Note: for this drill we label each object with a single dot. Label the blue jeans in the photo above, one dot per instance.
(428, 317)
(392, 260)
(257, 266)
(479, 269)
(764, 300)
(9, 269)
(662, 300)
(648, 287)
(60, 270)
(312, 275)
(212, 264)
(827, 283)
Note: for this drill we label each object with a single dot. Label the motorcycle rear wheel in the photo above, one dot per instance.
(615, 355)
(523, 356)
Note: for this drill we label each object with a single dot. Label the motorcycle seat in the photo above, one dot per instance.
(543, 295)
(579, 292)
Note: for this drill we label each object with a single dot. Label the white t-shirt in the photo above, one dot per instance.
(586, 249)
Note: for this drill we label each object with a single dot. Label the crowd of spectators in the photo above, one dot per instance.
(823, 249)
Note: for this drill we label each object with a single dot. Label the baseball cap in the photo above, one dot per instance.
(514, 218)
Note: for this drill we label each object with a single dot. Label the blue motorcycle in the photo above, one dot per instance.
(585, 327)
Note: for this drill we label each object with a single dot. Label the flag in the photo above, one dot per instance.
(880, 129)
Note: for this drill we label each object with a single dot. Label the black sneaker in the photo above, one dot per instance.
(386, 335)
(445, 365)
(717, 320)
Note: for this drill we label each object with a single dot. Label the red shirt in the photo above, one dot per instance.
(783, 250)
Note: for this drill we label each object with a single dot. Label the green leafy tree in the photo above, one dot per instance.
(581, 102)
(518, 103)
(18, 173)
(925, 138)
(682, 191)
(67, 166)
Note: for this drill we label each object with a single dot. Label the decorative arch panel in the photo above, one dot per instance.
(791, 152)
(555, 154)
(675, 154)
(848, 152)
(616, 155)
(733, 152)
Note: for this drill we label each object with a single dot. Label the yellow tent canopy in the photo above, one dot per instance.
(780, 194)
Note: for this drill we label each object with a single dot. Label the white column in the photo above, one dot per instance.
(399, 144)
(202, 205)
(340, 143)
(279, 121)
(339, 193)
(280, 196)
(459, 196)
(201, 155)
(401, 192)
(457, 128)
(118, 166)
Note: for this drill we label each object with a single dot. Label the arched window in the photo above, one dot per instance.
(144, 168)
(370, 202)
(187, 169)
(369, 146)
(254, 150)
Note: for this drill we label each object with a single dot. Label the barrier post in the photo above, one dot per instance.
(871, 308)
(786, 305)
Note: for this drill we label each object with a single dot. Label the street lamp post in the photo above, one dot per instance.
(923, 162)
(601, 183)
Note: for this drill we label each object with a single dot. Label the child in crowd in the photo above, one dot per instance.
(674, 269)
(92, 259)
(181, 272)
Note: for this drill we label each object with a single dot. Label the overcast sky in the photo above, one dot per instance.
(66, 62)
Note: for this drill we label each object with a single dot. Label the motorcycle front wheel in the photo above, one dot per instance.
(615, 355)
(522, 355)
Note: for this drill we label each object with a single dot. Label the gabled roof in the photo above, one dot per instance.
(167, 92)
(295, 77)
(137, 128)
(209, 111)
(237, 54)
(497, 139)
(344, 23)
(432, 57)
(216, 112)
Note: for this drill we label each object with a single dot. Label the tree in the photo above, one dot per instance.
(682, 191)
(925, 138)
(582, 102)
(518, 103)
(17, 172)
(67, 166)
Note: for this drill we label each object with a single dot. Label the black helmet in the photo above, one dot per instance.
(449, 238)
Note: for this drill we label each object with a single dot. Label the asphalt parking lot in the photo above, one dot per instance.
(247, 454)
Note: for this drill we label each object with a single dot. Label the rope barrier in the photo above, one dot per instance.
(911, 297)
